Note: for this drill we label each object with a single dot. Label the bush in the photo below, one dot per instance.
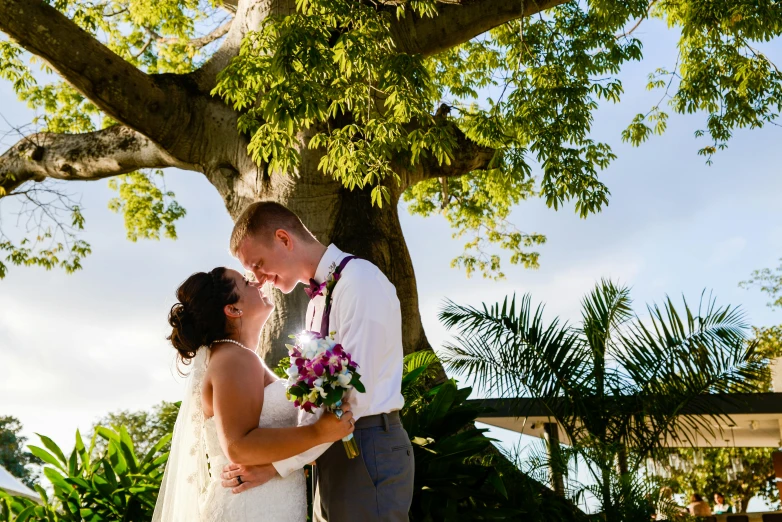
(114, 485)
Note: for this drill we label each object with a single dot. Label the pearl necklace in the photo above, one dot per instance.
(229, 341)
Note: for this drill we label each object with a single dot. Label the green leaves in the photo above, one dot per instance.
(721, 70)
(329, 74)
(449, 474)
(769, 281)
(52, 243)
(112, 485)
(147, 207)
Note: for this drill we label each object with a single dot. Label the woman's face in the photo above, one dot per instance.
(253, 303)
(719, 499)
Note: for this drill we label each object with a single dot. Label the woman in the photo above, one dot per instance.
(698, 507)
(720, 507)
(235, 409)
(665, 504)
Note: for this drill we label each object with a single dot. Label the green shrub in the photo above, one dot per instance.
(116, 485)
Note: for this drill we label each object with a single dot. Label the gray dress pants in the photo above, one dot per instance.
(375, 486)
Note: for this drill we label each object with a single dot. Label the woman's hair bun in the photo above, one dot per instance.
(198, 319)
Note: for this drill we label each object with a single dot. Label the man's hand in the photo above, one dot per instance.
(251, 476)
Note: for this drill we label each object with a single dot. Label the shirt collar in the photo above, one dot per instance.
(331, 257)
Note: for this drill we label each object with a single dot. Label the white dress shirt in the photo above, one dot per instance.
(367, 319)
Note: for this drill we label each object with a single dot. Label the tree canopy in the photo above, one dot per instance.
(13, 456)
(470, 106)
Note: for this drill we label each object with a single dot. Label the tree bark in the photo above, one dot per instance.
(71, 157)
(460, 21)
(551, 432)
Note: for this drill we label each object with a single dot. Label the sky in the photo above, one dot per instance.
(74, 347)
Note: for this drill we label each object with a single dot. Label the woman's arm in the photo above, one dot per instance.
(238, 378)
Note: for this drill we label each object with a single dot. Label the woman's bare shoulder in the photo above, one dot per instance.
(234, 360)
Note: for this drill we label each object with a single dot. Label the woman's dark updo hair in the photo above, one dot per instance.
(198, 318)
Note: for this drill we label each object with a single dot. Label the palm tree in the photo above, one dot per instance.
(615, 382)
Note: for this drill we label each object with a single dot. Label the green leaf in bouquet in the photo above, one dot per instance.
(298, 390)
(357, 384)
(333, 397)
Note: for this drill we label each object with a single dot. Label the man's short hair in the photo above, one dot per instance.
(262, 219)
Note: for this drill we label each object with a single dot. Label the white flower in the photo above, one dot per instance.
(344, 379)
(309, 349)
(292, 371)
(317, 385)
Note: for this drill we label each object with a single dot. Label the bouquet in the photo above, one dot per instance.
(320, 374)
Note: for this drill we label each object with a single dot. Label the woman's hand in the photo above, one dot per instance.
(331, 428)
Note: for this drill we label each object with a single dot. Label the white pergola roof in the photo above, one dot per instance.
(752, 420)
(12, 485)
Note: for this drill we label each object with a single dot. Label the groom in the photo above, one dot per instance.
(271, 242)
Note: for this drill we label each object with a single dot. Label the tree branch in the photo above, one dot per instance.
(230, 5)
(94, 155)
(145, 103)
(460, 22)
(467, 157)
(196, 43)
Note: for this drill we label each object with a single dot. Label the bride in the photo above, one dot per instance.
(235, 409)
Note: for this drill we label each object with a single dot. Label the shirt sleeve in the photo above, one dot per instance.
(364, 314)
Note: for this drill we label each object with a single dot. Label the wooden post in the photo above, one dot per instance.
(551, 433)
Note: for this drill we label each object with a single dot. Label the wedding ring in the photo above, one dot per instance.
(239, 479)
(338, 413)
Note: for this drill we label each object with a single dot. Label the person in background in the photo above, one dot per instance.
(665, 504)
(720, 507)
(698, 507)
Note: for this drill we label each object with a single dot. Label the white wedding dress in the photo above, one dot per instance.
(280, 499)
(192, 490)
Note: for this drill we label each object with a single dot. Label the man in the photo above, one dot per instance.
(271, 242)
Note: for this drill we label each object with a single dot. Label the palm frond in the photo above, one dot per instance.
(508, 350)
(677, 360)
(603, 311)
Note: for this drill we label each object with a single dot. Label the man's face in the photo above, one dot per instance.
(271, 260)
